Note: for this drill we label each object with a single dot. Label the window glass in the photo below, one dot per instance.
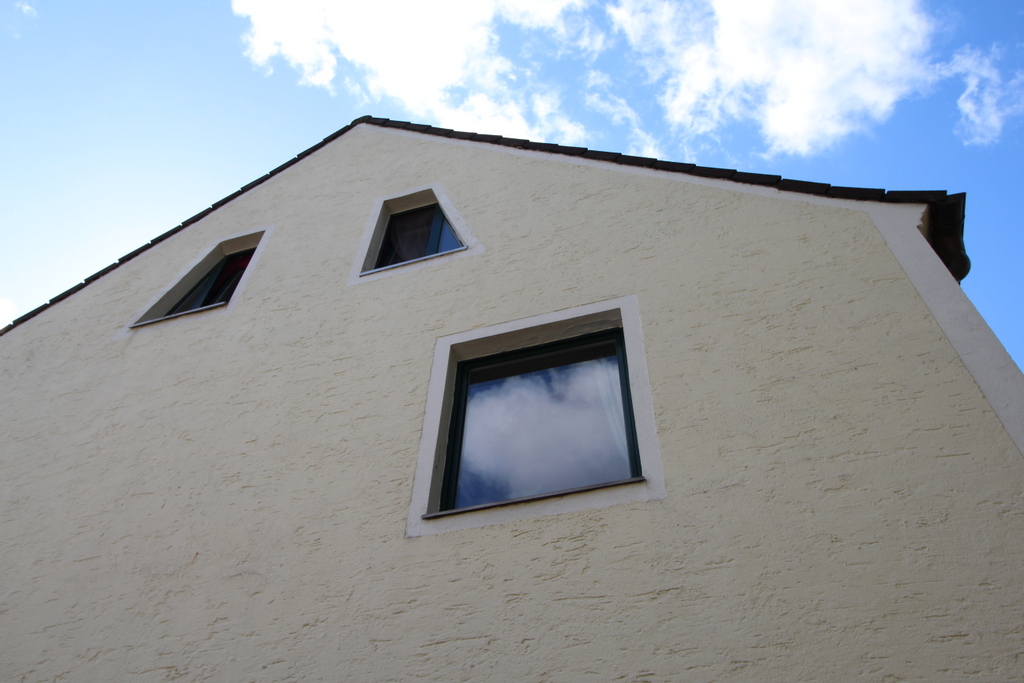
(411, 235)
(448, 239)
(218, 285)
(539, 422)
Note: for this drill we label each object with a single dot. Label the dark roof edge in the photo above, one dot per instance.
(946, 212)
(946, 233)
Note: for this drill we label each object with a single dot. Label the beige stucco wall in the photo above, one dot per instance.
(224, 496)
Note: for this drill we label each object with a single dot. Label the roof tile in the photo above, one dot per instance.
(712, 172)
(68, 292)
(98, 274)
(512, 142)
(233, 195)
(258, 181)
(915, 196)
(673, 166)
(293, 160)
(635, 161)
(755, 178)
(556, 149)
(132, 254)
(175, 230)
(601, 156)
(867, 193)
(31, 314)
(802, 186)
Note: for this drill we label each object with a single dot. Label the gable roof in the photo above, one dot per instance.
(946, 211)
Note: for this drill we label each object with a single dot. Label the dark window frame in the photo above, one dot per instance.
(522, 357)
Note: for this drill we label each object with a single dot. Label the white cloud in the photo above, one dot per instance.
(598, 79)
(436, 50)
(7, 311)
(986, 102)
(544, 431)
(26, 9)
(591, 40)
(538, 13)
(641, 143)
(807, 71)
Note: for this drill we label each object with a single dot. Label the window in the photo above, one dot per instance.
(540, 421)
(217, 286)
(420, 228)
(416, 234)
(210, 283)
(537, 416)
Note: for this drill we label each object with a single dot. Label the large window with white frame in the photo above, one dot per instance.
(537, 416)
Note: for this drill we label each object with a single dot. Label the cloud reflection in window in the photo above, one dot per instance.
(544, 431)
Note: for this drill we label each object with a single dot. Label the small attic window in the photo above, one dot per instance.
(412, 230)
(209, 284)
(217, 286)
(416, 234)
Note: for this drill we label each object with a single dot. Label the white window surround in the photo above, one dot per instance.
(622, 313)
(194, 271)
(373, 233)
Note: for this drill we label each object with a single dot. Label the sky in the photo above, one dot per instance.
(121, 119)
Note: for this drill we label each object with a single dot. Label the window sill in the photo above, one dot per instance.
(415, 260)
(178, 315)
(527, 499)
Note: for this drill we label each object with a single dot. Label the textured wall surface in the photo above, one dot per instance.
(223, 496)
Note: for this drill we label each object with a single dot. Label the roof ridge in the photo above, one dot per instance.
(947, 211)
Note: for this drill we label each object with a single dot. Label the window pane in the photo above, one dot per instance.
(448, 239)
(218, 285)
(407, 236)
(230, 274)
(195, 296)
(555, 423)
(414, 234)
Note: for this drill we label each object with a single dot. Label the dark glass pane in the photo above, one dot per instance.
(195, 296)
(406, 237)
(218, 285)
(227, 288)
(553, 423)
(232, 271)
(448, 239)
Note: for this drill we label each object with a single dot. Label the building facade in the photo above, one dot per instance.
(269, 446)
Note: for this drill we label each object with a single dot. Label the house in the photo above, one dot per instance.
(430, 405)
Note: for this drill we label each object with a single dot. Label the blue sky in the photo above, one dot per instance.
(121, 119)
